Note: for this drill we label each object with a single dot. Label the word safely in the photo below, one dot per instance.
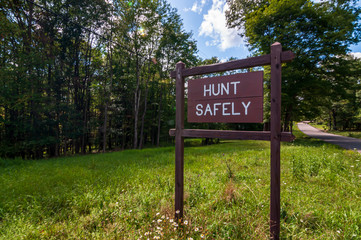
(223, 109)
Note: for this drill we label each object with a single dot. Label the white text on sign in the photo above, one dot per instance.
(220, 88)
(224, 109)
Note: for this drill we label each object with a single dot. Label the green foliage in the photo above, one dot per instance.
(343, 103)
(318, 33)
(128, 194)
(84, 76)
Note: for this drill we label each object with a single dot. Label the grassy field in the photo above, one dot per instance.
(354, 134)
(129, 194)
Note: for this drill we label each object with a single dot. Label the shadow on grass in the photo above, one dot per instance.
(5, 163)
(147, 155)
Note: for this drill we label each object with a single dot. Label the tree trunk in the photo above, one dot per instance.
(85, 134)
(107, 98)
(159, 115)
(136, 104)
(110, 135)
(33, 113)
(287, 120)
(105, 127)
(123, 136)
(266, 125)
(334, 126)
(141, 141)
(76, 84)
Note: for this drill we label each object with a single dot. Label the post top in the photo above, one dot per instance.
(276, 43)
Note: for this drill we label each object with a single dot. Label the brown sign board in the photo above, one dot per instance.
(235, 98)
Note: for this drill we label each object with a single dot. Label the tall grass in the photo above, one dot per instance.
(130, 194)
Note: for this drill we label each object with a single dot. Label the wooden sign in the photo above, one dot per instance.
(236, 98)
(223, 99)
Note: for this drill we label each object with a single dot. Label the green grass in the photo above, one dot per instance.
(322, 127)
(354, 134)
(125, 195)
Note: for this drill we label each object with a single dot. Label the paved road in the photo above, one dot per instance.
(345, 142)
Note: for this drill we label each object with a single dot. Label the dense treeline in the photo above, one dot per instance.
(84, 76)
(81, 76)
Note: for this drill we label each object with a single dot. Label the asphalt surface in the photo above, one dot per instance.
(345, 142)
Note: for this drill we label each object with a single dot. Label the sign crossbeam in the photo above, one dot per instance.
(231, 135)
(286, 56)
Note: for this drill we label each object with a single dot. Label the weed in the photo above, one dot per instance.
(229, 194)
(230, 173)
(196, 192)
(298, 168)
(314, 166)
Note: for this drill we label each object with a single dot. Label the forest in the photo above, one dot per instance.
(93, 76)
(79, 76)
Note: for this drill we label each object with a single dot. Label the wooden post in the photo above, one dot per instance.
(179, 142)
(276, 50)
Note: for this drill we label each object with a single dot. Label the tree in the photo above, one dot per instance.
(343, 73)
(316, 32)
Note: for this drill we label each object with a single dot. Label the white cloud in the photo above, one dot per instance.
(212, 43)
(214, 26)
(197, 7)
(356, 54)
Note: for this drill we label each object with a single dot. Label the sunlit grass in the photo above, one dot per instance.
(130, 194)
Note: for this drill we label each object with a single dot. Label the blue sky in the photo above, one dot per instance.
(205, 18)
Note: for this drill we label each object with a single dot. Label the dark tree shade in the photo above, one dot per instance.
(83, 76)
